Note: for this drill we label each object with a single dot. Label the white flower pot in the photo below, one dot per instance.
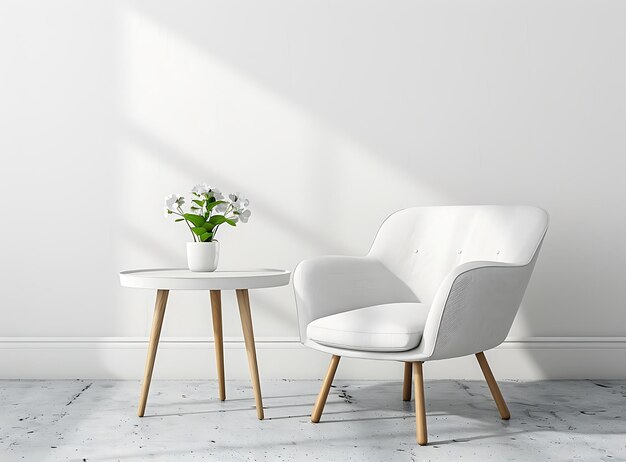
(203, 256)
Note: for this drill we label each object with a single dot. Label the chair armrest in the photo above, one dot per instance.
(474, 308)
(333, 284)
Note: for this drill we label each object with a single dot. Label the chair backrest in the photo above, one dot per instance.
(421, 245)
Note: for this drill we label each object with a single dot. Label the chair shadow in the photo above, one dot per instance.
(445, 399)
(474, 405)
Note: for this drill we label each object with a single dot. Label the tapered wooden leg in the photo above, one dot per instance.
(493, 386)
(155, 333)
(248, 335)
(406, 388)
(420, 404)
(328, 381)
(216, 308)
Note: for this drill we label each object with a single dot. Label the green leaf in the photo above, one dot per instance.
(197, 202)
(231, 222)
(206, 237)
(198, 230)
(179, 219)
(217, 219)
(212, 205)
(197, 220)
(208, 226)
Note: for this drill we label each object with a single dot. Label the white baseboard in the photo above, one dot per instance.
(284, 357)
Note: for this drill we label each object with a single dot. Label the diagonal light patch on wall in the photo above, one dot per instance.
(190, 117)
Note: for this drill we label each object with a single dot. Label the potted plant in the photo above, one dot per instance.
(208, 211)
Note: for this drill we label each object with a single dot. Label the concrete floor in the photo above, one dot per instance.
(95, 421)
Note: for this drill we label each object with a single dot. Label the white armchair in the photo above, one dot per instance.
(438, 282)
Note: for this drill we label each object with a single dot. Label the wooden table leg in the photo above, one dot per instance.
(216, 308)
(248, 334)
(155, 333)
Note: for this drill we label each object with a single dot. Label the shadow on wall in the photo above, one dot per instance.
(478, 116)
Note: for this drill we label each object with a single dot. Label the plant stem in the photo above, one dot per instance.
(188, 225)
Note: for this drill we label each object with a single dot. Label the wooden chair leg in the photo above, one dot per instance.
(406, 388)
(155, 333)
(420, 404)
(321, 399)
(243, 300)
(216, 309)
(493, 386)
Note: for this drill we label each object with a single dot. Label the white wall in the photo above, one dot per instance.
(329, 115)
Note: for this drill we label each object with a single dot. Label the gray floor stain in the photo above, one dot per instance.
(77, 395)
(363, 421)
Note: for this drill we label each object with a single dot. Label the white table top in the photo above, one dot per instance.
(183, 279)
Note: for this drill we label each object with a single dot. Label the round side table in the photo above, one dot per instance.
(166, 279)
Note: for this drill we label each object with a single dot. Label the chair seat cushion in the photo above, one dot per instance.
(389, 327)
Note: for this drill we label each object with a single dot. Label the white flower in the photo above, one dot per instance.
(201, 188)
(217, 194)
(238, 201)
(244, 215)
(173, 201)
(239, 205)
(221, 209)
